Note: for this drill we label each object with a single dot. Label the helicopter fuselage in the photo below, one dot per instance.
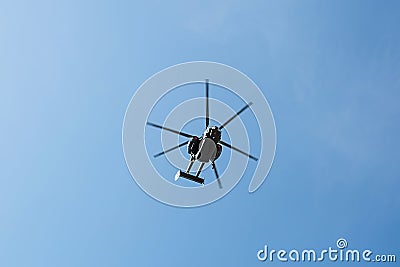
(207, 150)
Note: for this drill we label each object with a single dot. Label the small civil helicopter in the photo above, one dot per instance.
(206, 148)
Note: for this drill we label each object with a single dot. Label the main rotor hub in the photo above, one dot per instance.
(214, 133)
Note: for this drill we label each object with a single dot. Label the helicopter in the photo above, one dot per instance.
(205, 148)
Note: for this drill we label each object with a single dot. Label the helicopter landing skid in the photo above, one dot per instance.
(189, 177)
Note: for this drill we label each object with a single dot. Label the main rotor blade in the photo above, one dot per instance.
(170, 149)
(170, 130)
(238, 150)
(207, 108)
(234, 116)
(216, 174)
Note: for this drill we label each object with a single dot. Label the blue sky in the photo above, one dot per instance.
(329, 69)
